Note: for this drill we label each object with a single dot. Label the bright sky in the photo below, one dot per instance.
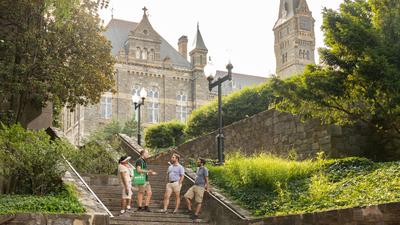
(240, 31)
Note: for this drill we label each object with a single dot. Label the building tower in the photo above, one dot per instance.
(198, 59)
(294, 38)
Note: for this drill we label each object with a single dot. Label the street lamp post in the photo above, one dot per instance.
(137, 102)
(210, 73)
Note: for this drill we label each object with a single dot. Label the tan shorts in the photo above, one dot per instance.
(197, 192)
(144, 188)
(173, 187)
(125, 195)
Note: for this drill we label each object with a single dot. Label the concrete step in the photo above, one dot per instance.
(147, 218)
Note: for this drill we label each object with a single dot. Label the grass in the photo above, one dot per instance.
(269, 186)
(65, 201)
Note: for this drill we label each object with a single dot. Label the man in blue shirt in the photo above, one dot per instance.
(197, 190)
(175, 175)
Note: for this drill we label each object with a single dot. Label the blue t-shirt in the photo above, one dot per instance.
(175, 172)
(201, 174)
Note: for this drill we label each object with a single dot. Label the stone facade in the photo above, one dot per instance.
(72, 124)
(281, 134)
(294, 38)
(174, 85)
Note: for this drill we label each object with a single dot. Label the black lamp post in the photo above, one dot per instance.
(137, 102)
(210, 73)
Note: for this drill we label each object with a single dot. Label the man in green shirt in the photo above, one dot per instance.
(141, 167)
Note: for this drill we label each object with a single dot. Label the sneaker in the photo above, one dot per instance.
(163, 211)
(128, 207)
(139, 209)
(189, 212)
(194, 217)
(122, 211)
(147, 209)
(175, 211)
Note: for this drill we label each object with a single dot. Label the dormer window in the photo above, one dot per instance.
(145, 32)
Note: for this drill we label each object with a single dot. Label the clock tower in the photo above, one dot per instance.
(294, 38)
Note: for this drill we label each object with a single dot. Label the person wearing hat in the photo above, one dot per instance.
(124, 175)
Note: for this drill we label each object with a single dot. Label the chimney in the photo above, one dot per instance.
(182, 45)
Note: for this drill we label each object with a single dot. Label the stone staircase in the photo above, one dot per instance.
(110, 195)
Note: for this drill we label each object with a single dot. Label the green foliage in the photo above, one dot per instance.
(165, 134)
(271, 186)
(65, 201)
(236, 106)
(94, 158)
(29, 162)
(359, 80)
(52, 50)
(108, 132)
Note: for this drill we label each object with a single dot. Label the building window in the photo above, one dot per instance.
(138, 53)
(106, 106)
(181, 106)
(284, 58)
(144, 54)
(135, 92)
(152, 55)
(153, 105)
(308, 54)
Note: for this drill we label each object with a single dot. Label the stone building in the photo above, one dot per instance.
(175, 86)
(294, 38)
(238, 82)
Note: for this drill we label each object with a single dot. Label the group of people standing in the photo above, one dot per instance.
(174, 177)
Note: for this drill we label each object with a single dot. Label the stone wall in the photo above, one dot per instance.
(281, 134)
(384, 214)
(52, 219)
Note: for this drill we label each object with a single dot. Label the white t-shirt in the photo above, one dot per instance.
(127, 173)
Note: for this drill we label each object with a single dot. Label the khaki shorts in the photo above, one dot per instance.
(197, 192)
(125, 195)
(144, 188)
(173, 187)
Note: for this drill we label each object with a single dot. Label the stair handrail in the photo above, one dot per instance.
(87, 186)
(191, 179)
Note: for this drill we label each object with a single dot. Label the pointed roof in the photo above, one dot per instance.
(145, 29)
(117, 32)
(198, 41)
(288, 9)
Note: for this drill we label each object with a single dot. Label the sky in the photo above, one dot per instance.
(233, 30)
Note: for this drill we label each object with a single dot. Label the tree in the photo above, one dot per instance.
(359, 78)
(52, 51)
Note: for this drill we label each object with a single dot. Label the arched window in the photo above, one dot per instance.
(135, 92)
(308, 54)
(181, 106)
(138, 53)
(152, 55)
(201, 60)
(144, 54)
(153, 105)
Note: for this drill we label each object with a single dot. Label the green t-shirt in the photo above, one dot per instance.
(143, 164)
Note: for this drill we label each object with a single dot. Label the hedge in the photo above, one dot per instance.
(236, 106)
(165, 134)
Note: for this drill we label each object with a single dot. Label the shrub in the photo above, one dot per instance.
(29, 162)
(165, 134)
(65, 201)
(236, 106)
(272, 186)
(94, 158)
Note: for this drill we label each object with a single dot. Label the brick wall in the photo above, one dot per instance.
(281, 134)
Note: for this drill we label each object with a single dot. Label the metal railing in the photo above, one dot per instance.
(87, 186)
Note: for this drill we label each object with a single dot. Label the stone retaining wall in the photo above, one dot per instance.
(281, 134)
(52, 219)
(384, 214)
